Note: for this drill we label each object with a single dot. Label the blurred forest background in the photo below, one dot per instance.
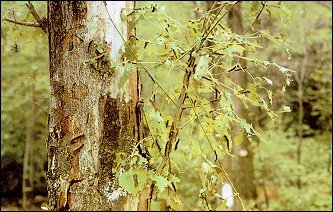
(293, 170)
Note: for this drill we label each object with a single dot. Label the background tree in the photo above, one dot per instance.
(243, 161)
(16, 98)
(28, 169)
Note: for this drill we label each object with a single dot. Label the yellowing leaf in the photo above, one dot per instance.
(270, 96)
(202, 67)
(239, 138)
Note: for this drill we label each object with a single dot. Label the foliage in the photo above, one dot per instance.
(276, 165)
(176, 68)
(177, 51)
(16, 78)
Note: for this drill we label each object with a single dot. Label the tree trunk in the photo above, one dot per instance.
(300, 80)
(243, 166)
(27, 181)
(91, 118)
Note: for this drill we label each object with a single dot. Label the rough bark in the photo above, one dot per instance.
(243, 166)
(90, 118)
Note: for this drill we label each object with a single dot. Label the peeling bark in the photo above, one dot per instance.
(90, 119)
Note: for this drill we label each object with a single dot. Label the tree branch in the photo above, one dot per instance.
(211, 29)
(41, 22)
(33, 11)
(263, 6)
(22, 23)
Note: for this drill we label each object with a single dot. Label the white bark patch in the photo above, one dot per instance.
(53, 102)
(101, 28)
(53, 165)
(111, 34)
(111, 194)
(87, 163)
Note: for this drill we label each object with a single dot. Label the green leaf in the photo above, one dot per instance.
(174, 203)
(202, 67)
(239, 138)
(222, 206)
(235, 48)
(205, 167)
(126, 181)
(174, 179)
(130, 49)
(198, 42)
(266, 34)
(156, 115)
(174, 46)
(142, 177)
(282, 69)
(161, 182)
(248, 127)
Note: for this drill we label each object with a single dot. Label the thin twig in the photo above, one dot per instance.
(153, 137)
(203, 129)
(22, 23)
(43, 23)
(210, 10)
(203, 40)
(33, 11)
(263, 6)
(174, 130)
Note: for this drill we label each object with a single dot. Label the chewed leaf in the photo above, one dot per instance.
(161, 182)
(286, 109)
(284, 70)
(268, 81)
